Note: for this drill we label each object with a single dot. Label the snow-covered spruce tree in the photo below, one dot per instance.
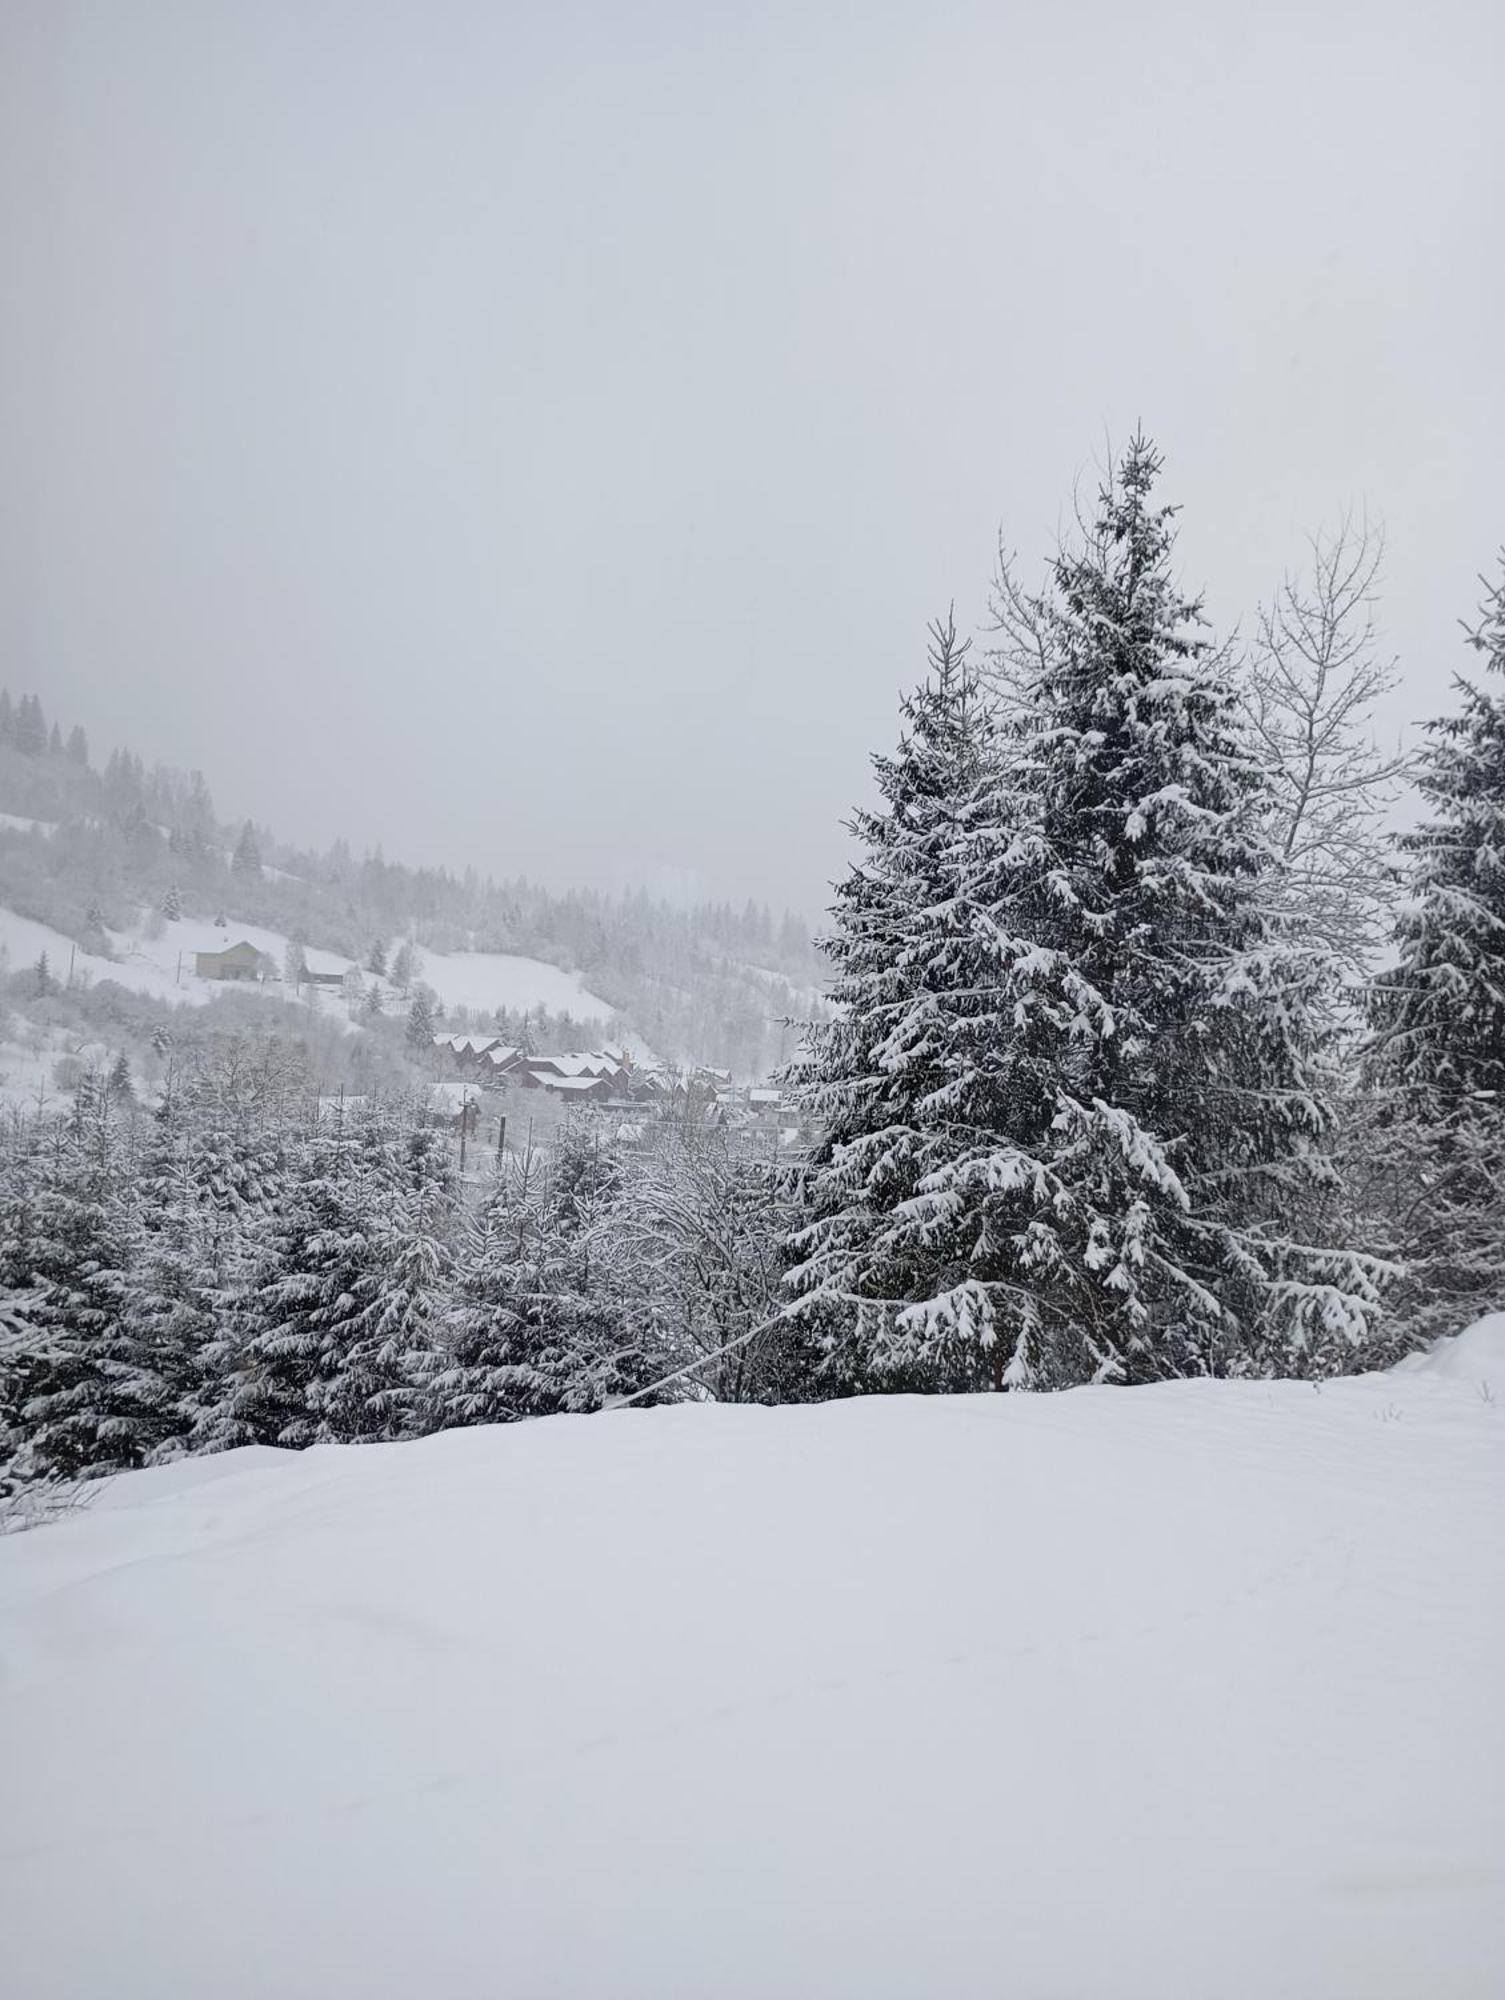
(418, 1031)
(1192, 1116)
(540, 1318)
(485, 1375)
(22, 1157)
(246, 860)
(1116, 1108)
(87, 1395)
(330, 1338)
(292, 1310)
(170, 1298)
(392, 1352)
(868, 1075)
(1436, 1056)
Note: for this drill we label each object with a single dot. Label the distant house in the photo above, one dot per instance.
(573, 1089)
(487, 1058)
(601, 1064)
(499, 1063)
(317, 970)
(238, 961)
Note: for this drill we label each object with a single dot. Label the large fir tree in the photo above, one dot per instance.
(1107, 1056)
(868, 1075)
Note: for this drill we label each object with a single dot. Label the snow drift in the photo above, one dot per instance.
(1190, 1691)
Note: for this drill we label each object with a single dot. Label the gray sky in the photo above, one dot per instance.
(537, 436)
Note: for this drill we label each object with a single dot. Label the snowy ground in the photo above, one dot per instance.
(1173, 1694)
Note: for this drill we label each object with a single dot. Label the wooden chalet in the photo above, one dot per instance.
(237, 961)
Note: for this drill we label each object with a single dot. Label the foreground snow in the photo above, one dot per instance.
(1191, 1691)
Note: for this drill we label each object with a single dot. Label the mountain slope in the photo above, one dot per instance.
(1185, 1691)
(90, 853)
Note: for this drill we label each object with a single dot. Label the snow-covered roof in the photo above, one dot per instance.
(579, 1063)
(325, 965)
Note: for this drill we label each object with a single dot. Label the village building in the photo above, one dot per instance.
(237, 961)
(574, 1089)
(320, 970)
(499, 1063)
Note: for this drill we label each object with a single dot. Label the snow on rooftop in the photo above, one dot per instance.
(1186, 1693)
(326, 964)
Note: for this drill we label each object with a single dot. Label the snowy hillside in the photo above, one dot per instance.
(1181, 1693)
(163, 966)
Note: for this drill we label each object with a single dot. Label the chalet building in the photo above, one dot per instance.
(599, 1065)
(574, 1089)
(500, 1063)
(237, 961)
(321, 971)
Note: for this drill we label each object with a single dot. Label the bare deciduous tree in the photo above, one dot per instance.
(1313, 678)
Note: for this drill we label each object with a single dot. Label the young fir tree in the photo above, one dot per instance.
(246, 859)
(307, 1258)
(404, 967)
(332, 1341)
(868, 1075)
(169, 1297)
(539, 1321)
(484, 1376)
(1109, 1102)
(391, 1351)
(419, 1030)
(1436, 1057)
(89, 1396)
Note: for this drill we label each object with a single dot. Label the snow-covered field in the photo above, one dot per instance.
(487, 979)
(1170, 1694)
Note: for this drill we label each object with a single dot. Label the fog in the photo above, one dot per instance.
(537, 437)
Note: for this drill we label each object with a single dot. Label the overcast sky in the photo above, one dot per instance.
(537, 436)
